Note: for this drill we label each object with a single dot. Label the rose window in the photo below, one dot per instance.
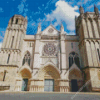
(49, 49)
(50, 30)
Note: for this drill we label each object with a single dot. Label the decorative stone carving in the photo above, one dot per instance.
(49, 49)
(50, 30)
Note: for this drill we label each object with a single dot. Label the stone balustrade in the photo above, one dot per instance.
(36, 88)
(64, 89)
(17, 88)
(2, 88)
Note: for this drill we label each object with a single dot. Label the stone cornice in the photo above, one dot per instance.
(88, 39)
(9, 65)
(10, 49)
(89, 67)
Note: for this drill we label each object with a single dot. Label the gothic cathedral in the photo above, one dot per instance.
(51, 60)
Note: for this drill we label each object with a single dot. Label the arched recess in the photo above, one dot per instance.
(75, 78)
(26, 58)
(74, 58)
(50, 72)
(25, 73)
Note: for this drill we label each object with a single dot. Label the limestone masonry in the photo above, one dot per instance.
(51, 60)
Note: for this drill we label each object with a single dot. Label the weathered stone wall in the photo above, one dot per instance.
(10, 76)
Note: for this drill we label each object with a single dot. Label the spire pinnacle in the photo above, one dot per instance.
(81, 9)
(96, 10)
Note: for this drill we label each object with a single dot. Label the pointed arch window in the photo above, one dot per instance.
(12, 41)
(27, 58)
(16, 21)
(8, 58)
(98, 54)
(74, 58)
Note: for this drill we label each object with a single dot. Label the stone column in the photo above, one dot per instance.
(21, 40)
(88, 53)
(84, 29)
(83, 56)
(97, 47)
(1, 55)
(98, 26)
(15, 57)
(15, 38)
(89, 29)
(63, 55)
(19, 61)
(95, 28)
(10, 42)
(94, 54)
(18, 39)
(8, 38)
(36, 62)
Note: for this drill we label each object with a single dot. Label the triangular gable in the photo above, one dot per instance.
(50, 30)
(74, 66)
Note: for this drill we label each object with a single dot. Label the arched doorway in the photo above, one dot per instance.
(75, 78)
(26, 75)
(50, 76)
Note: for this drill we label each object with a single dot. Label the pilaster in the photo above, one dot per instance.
(8, 39)
(15, 38)
(85, 32)
(88, 53)
(89, 28)
(95, 28)
(94, 54)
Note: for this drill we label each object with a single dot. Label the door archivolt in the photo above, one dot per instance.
(48, 72)
(25, 73)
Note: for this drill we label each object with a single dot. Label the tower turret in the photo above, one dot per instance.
(62, 29)
(96, 10)
(13, 40)
(39, 28)
(81, 9)
(15, 32)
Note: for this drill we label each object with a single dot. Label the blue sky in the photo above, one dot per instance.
(45, 12)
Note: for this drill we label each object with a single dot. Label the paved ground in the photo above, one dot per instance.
(49, 96)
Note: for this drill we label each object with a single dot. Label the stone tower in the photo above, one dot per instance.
(13, 40)
(88, 29)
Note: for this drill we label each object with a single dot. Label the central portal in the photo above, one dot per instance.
(49, 85)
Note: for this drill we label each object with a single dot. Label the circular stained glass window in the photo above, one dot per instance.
(49, 49)
(50, 30)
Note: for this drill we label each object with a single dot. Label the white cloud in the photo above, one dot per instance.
(22, 8)
(2, 33)
(98, 3)
(90, 7)
(1, 10)
(79, 3)
(71, 33)
(70, 3)
(85, 1)
(0, 45)
(64, 12)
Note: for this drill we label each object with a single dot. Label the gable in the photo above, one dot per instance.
(50, 30)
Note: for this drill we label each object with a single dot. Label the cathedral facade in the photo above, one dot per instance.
(51, 60)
